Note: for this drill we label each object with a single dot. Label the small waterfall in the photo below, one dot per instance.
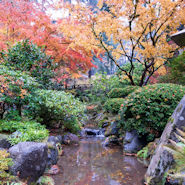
(101, 133)
(89, 132)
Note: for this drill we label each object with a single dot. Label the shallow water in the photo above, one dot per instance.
(91, 164)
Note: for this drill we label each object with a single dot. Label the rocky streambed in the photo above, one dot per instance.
(73, 161)
(94, 164)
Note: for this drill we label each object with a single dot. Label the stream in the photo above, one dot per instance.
(92, 164)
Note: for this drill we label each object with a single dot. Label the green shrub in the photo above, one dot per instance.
(148, 108)
(102, 84)
(26, 56)
(122, 92)
(14, 78)
(176, 73)
(26, 131)
(12, 114)
(113, 105)
(50, 106)
(14, 88)
(5, 162)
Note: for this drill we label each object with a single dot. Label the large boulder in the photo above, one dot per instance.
(131, 142)
(29, 160)
(162, 160)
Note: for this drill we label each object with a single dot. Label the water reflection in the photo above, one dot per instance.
(91, 164)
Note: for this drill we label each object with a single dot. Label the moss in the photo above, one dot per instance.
(45, 180)
(59, 148)
(171, 119)
(50, 146)
(179, 108)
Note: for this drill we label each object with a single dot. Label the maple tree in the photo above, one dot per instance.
(21, 20)
(131, 30)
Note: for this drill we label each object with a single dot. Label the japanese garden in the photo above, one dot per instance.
(92, 92)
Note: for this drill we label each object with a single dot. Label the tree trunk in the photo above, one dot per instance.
(19, 108)
(2, 106)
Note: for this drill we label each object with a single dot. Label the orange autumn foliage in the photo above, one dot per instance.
(21, 19)
(139, 30)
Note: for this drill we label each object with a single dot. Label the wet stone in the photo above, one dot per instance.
(132, 143)
(29, 160)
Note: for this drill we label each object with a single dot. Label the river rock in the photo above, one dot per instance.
(70, 139)
(4, 143)
(175, 182)
(112, 129)
(29, 160)
(162, 160)
(111, 141)
(53, 153)
(131, 142)
(55, 139)
(104, 125)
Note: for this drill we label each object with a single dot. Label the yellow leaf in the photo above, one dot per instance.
(100, 3)
(76, 75)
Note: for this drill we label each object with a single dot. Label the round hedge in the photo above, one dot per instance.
(49, 106)
(113, 105)
(122, 92)
(148, 109)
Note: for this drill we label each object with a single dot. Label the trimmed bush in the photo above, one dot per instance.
(148, 108)
(26, 131)
(51, 106)
(122, 92)
(113, 105)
